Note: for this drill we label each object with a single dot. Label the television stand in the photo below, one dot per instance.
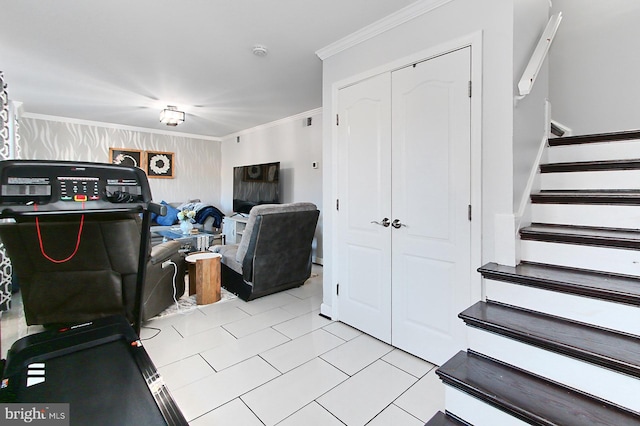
(233, 228)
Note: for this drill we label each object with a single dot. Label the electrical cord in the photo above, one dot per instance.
(151, 328)
(175, 290)
(41, 243)
(121, 197)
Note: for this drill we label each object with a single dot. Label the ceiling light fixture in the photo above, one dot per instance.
(260, 50)
(171, 116)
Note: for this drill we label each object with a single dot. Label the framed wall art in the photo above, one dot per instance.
(160, 164)
(127, 157)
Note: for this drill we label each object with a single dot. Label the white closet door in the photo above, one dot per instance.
(431, 194)
(364, 187)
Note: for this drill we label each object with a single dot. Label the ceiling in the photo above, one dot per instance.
(122, 61)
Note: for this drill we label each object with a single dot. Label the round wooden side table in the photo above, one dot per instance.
(204, 276)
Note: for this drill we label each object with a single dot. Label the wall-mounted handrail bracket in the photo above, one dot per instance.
(537, 58)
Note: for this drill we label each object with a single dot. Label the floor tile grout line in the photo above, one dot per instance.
(301, 365)
(410, 387)
(402, 369)
(334, 334)
(305, 406)
(279, 345)
(244, 393)
(378, 413)
(252, 412)
(388, 405)
(400, 408)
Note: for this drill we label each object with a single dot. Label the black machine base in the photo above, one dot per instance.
(96, 368)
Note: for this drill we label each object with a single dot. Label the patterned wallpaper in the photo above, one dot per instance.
(196, 161)
(6, 270)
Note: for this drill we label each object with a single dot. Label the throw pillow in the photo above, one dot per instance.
(170, 218)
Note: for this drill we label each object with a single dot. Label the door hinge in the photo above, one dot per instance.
(337, 120)
(338, 204)
(469, 88)
(469, 211)
(338, 289)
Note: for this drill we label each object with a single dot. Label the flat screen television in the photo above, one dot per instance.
(255, 184)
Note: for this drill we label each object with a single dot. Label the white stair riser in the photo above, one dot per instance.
(627, 217)
(475, 411)
(607, 384)
(610, 179)
(621, 261)
(611, 315)
(624, 150)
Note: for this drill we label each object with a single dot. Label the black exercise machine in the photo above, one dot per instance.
(99, 367)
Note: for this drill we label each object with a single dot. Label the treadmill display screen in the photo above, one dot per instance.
(79, 188)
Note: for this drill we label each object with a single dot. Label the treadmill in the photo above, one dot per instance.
(100, 368)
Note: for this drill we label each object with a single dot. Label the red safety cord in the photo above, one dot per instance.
(35, 208)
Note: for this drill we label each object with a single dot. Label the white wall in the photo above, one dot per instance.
(196, 161)
(292, 143)
(594, 66)
(455, 19)
(529, 127)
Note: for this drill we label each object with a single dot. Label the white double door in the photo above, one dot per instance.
(404, 162)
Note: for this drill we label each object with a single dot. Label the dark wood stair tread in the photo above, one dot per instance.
(607, 348)
(600, 285)
(611, 197)
(595, 138)
(442, 419)
(584, 235)
(590, 166)
(531, 398)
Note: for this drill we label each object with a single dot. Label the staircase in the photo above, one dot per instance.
(557, 340)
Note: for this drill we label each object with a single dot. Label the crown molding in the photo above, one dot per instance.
(385, 24)
(116, 126)
(271, 124)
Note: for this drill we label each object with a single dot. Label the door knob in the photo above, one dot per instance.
(385, 222)
(397, 224)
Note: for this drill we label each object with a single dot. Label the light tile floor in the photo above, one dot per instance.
(276, 361)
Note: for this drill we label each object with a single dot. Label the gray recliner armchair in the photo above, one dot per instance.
(274, 253)
(99, 279)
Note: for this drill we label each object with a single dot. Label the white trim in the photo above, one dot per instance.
(327, 311)
(475, 41)
(276, 123)
(385, 24)
(116, 126)
(532, 183)
(566, 129)
(449, 46)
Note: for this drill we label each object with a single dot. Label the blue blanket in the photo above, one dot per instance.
(205, 212)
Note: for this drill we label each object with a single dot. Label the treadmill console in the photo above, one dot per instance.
(62, 186)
